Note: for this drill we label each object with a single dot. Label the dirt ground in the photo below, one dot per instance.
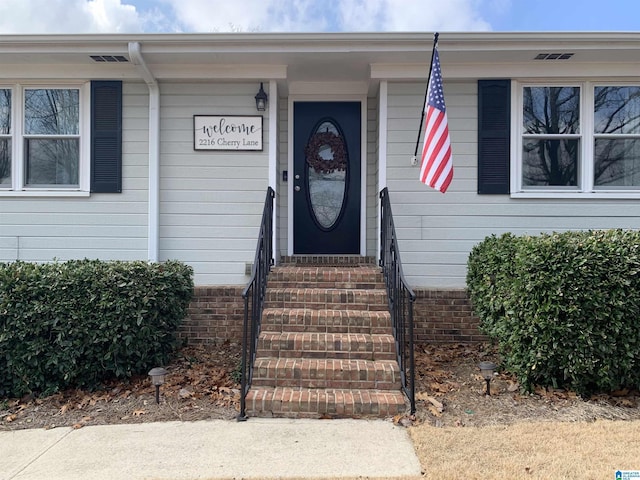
(451, 392)
(201, 385)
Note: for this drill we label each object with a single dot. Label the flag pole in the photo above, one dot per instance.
(426, 92)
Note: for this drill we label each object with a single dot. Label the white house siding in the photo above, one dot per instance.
(437, 231)
(210, 201)
(372, 176)
(283, 165)
(103, 226)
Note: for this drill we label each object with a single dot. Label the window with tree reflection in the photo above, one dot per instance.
(551, 142)
(617, 136)
(39, 139)
(581, 138)
(51, 137)
(5, 137)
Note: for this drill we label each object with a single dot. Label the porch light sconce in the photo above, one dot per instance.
(157, 375)
(261, 99)
(486, 370)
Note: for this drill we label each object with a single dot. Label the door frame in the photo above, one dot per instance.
(363, 160)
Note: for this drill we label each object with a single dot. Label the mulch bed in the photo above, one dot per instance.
(202, 385)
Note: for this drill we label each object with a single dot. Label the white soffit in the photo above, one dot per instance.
(343, 57)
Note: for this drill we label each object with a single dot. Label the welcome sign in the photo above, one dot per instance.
(226, 132)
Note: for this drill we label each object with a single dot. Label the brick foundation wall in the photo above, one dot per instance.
(444, 316)
(216, 314)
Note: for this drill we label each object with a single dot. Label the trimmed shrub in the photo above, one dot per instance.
(489, 273)
(81, 322)
(564, 311)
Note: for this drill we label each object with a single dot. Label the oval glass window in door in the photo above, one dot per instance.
(326, 156)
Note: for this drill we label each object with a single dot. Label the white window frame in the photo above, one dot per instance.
(586, 187)
(17, 186)
(10, 137)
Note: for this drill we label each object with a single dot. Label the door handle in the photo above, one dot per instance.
(296, 188)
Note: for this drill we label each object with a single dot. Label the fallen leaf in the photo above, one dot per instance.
(434, 411)
(406, 421)
(185, 393)
(11, 418)
(397, 418)
(76, 426)
(438, 406)
(439, 387)
(625, 402)
(620, 393)
(137, 413)
(543, 392)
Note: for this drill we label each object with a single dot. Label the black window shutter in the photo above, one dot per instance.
(494, 112)
(106, 136)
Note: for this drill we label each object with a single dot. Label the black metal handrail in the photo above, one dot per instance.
(253, 296)
(401, 299)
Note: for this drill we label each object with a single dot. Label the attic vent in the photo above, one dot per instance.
(110, 58)
(553, 56)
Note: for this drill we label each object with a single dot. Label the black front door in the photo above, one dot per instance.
(326, 178)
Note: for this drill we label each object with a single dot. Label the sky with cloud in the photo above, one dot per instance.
(207, 16)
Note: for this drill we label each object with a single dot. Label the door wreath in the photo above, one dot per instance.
(320, 140)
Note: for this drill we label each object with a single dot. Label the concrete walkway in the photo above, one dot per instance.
(258, 448)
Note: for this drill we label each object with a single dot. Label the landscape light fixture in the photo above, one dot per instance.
(157, 375)
(261, 99)
(486, 370)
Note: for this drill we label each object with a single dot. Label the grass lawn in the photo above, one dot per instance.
(531, 450)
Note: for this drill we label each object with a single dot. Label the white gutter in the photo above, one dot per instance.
(154, 150)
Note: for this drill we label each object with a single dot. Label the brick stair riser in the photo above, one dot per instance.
(285, 277)
(329, 345)
(326, 321)
(316, 403)
(280, 284)
(328, 261)
(307, 373)
(338, 299)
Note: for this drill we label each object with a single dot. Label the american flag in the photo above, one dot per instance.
(436, 167)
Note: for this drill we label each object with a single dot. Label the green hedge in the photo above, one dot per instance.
(563, 308)
(78, 323)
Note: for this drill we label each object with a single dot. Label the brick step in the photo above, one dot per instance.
(340, 261)
(292, 276)
(327, 298)
(326, 373)
(318, 403)
(326, 345)
(335, 321)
